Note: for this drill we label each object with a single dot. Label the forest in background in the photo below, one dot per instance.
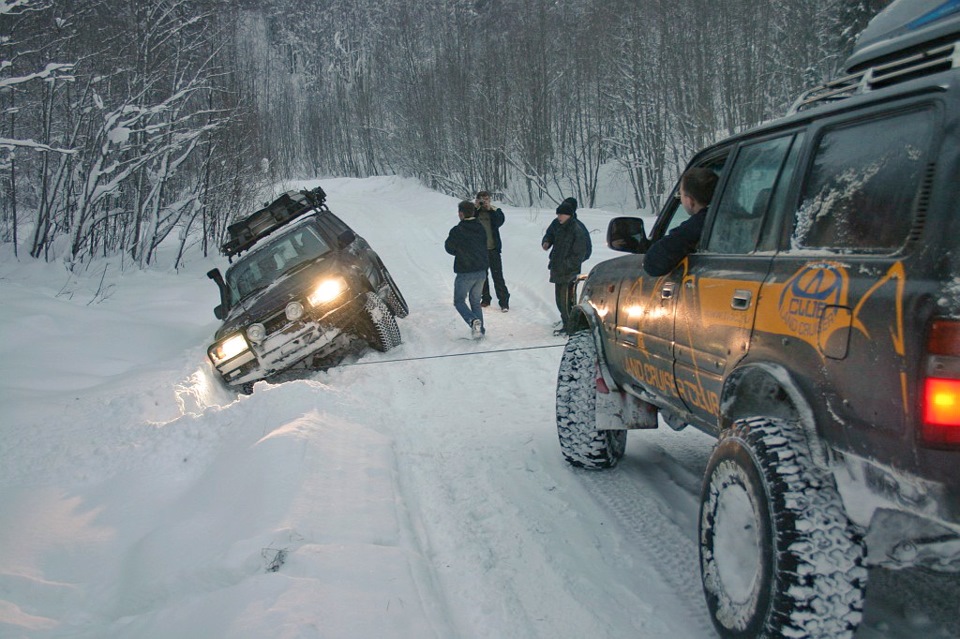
(124, 123)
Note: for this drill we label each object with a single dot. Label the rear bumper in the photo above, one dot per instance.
(909, 520)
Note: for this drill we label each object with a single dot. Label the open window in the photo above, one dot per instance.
(673, 214)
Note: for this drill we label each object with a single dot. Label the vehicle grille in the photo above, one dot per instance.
(275, 323)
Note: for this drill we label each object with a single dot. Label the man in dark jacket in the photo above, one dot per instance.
(492, 218)
(571, 245)
(467, 243)
(696, 191)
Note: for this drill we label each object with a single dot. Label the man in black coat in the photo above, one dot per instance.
(696, 191)
(467, 243)
(492, 218)
(571, 245)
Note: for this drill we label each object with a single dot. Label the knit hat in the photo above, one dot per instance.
(566, 209)
(572, 201)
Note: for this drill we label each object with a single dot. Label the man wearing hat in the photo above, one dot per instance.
(571, 245)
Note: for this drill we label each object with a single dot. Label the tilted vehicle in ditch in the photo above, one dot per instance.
(304, 291)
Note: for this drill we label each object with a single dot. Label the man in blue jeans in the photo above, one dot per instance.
(467, 243)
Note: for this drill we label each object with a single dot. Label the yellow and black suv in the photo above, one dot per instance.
(305, 291)
(815, 332)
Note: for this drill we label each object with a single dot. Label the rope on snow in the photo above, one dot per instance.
(502, 350)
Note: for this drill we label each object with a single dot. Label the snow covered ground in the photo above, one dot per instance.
(415, 493)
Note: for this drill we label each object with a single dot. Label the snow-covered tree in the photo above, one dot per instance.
(126, 123)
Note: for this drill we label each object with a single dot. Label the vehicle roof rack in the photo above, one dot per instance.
(907, 66)
(289, 206)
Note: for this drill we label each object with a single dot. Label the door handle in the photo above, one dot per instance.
(741, 299)
(667, 291)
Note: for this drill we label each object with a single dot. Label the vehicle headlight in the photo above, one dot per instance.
(327, 291)
(256, 333)
(293, 311)
(229, 348)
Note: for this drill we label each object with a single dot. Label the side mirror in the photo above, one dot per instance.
(627, 234)
(218, 312)
(345, 239)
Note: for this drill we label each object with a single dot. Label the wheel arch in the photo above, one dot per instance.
(585, 317)
(769, 390)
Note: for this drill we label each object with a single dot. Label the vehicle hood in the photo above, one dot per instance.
(286, 288)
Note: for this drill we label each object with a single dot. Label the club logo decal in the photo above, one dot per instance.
(809, 294)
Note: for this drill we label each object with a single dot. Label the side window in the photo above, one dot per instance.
(674, 211)
(862, 185)
(770, 236)
(308, 243)
(743, 205)
(679, 215)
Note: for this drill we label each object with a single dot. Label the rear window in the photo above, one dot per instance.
(861, 191)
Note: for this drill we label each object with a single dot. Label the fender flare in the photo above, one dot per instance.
(773, 392)
(585, 317)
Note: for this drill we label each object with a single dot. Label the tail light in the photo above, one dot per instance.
(941, 386)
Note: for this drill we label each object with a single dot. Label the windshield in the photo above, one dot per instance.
(261, 268)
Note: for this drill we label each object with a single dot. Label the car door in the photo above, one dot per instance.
(646, 306)
(717, 288)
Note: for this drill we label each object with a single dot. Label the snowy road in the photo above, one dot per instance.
(415, 493)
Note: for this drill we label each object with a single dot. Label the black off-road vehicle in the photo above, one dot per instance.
(305, 291)
(815, 332)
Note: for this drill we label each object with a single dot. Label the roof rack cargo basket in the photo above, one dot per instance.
(288, 206)
(904, 26)
(908, 65)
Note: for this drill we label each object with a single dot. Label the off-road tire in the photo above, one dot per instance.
(778, 555)
(381, 330)
(582, 445)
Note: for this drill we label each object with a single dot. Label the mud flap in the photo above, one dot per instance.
(618, 411)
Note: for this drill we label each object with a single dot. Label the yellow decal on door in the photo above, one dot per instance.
(806, 298)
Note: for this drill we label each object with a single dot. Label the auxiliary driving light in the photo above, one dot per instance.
(293, 311)
(256, 333)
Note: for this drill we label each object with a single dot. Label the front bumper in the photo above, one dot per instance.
(292, 343)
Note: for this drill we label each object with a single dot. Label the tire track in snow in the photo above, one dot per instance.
(518, 546)
(658, 540)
